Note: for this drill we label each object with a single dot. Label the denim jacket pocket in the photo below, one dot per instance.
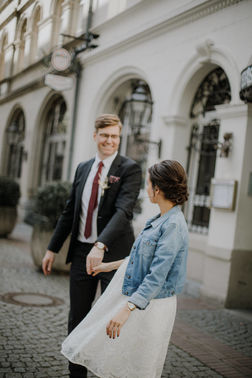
(147, 247)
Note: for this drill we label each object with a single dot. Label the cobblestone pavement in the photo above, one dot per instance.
(207, 341)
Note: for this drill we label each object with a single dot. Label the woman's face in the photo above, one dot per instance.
(150, 190)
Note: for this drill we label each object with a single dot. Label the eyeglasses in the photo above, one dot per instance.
(106, 136)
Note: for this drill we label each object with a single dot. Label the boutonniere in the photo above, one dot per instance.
(104, 185)
(113, 179)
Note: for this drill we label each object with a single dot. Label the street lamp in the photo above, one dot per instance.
(15, 132)
(140, 110)
(140, 107)
(246, 84)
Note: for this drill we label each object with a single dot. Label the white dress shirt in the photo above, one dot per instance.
(86, 196)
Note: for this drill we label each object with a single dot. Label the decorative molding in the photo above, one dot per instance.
(205, 49)
(227, 111)
(184, 15)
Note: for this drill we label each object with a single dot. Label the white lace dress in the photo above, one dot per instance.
(139, 351)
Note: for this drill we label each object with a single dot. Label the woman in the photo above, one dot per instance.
(127, 332)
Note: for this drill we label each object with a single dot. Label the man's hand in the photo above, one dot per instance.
(94, 258)
(47, 262)
(113, 328)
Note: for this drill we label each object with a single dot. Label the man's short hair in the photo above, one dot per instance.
(106, 120)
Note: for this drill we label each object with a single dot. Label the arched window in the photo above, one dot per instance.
(21, 47)
(3, 46)
(57, 14)
(15, 140)
(202, 150)
(34, 34)
(54, 142)
(214, 90)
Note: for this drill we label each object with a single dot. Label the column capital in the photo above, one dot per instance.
(175, 120)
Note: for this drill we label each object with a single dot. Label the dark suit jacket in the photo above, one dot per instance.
(115, 210)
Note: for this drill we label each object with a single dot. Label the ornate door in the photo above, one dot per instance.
(202, 150)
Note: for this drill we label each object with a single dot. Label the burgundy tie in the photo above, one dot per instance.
(92, 202)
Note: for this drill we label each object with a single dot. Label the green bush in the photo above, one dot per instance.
(9, 192)
(49, 203)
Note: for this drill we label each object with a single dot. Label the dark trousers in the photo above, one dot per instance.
(82, 292)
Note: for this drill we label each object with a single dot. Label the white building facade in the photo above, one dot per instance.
(185, 58)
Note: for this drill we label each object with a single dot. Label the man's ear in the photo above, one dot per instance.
(94, 134)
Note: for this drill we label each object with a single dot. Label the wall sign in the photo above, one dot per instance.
(223, 194)
(61, 59)
(58, 82)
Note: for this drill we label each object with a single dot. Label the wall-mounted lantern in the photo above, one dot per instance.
(15, 134)
(140, 111)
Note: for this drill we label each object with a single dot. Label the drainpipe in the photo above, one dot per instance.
(77, 68)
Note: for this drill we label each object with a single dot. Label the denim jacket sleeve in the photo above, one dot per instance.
(167, 248)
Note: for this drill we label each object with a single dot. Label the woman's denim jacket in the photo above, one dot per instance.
(157, 262)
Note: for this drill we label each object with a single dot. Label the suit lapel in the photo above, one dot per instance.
(114, 167)
(83, 179)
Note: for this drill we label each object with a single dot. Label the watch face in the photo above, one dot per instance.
(131, 306)
(100, 245)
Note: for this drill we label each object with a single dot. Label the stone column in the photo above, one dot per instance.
(175, 138)
(228, 263)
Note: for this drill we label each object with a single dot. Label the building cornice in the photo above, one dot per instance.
(18, 10)
(5, 4)
(179, 17)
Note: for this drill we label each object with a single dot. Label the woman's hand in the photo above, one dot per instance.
(113, 328)
(103, 267)
(106, 267)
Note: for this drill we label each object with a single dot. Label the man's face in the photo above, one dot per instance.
(107, 141)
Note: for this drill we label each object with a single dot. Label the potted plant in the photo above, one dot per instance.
(49, 203)
(9, 197)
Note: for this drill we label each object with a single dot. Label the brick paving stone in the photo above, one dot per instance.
(223, 325)
(208, 340)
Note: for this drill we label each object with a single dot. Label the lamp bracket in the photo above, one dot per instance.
(158, 144)
(224, 146)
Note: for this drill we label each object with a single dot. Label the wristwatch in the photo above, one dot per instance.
(131, 306)
(100, 245)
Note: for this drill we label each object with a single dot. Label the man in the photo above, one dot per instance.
(98, 215)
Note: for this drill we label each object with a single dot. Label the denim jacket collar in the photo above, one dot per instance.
(157, 219)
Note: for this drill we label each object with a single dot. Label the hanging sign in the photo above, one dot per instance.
(61, 59)
(58, 82)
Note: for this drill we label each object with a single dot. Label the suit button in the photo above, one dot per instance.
(126, 293)
(131, 262)
(129, 276)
